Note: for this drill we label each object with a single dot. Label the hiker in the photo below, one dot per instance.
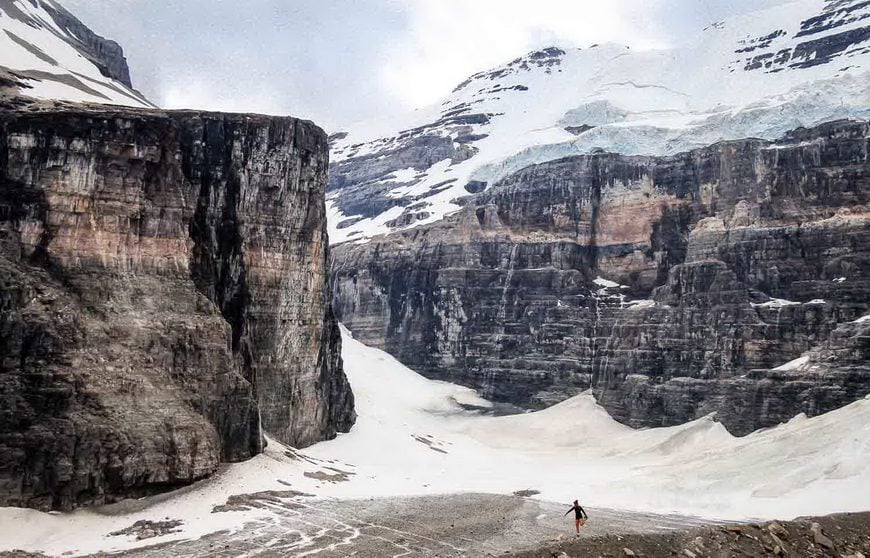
(580, 516)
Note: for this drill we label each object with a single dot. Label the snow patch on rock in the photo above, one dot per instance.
(795, 364)
(776, 303)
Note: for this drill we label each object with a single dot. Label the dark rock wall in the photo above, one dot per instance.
(164, 302)
(501, 296)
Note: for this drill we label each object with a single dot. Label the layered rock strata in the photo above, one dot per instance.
(672, 286)
(165, 299)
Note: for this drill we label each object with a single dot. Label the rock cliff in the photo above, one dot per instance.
(673, 286)
(164, 298)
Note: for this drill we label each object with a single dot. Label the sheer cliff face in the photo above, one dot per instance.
(164, 299)
(721, 264)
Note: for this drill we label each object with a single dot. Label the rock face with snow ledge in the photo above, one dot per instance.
(721, 264)
(50, 54)
(164, 298)
(794, 65)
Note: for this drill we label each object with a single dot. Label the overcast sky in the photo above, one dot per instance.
(340, 61)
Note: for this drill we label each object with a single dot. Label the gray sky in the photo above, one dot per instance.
(341, 61)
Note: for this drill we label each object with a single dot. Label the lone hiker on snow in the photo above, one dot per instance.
(580, 516)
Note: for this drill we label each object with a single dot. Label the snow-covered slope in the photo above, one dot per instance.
(55, 56)
(575, 446)
(757, 75)
(417, 437)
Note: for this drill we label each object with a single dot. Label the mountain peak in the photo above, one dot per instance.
(546, 59)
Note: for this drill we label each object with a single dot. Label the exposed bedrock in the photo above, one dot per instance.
(359, 181)
(718, 265)
(164, 298)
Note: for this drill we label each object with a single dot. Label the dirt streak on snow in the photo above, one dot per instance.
(415, 437)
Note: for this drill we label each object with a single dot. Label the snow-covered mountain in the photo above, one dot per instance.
(756, 75)
(47, 53)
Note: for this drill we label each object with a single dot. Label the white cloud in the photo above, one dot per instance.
(340, 61)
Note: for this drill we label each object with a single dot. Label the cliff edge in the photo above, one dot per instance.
(164, 298)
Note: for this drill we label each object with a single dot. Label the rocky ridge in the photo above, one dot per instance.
(53, 55)
(106, 54)
(165, 299)
(673, 286)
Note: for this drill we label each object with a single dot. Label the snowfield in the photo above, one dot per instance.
(419, 437)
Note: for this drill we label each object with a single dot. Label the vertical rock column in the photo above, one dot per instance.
(261, 254)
